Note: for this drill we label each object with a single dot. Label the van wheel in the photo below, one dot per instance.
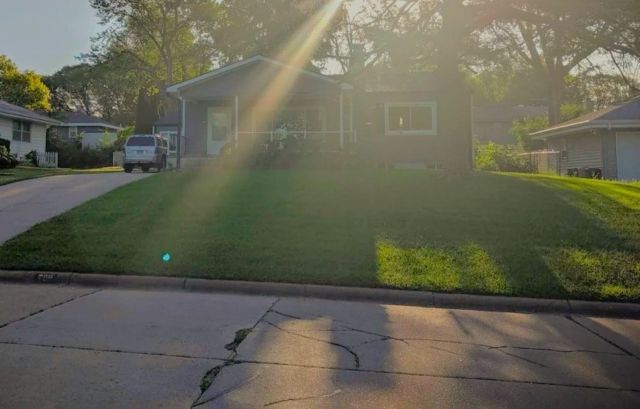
(128, 169)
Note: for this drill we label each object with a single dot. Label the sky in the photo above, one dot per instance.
(45, 35)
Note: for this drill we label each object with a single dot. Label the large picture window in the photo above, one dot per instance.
(412, 118)
(22, 131)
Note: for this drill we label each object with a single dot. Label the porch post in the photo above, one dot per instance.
(181, 134)
(237, 110)
(341, 119)
(351, 136)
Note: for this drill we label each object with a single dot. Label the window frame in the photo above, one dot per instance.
(412, 132)
(23, 131)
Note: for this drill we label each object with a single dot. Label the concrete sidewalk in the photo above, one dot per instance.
(88, 348)
(24, 204)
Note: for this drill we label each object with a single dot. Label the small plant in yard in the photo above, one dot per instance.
(32, 157)
(7, 161)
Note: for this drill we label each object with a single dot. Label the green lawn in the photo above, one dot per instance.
(26, 172)
(525, 235)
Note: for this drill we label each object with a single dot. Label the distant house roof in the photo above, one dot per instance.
(8, 110)
(82, 119)
(507, 113)
(176, 88)
(626, 115)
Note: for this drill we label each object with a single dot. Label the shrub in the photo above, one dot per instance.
(495, 157)
(6, 143)
(72, 155)
(7, 161)
(32, 157)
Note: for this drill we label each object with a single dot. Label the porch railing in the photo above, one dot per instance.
(307, 140)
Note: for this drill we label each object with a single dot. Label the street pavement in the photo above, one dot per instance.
(25, 204)
(66, 347)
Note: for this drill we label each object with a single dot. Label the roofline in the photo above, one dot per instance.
(103, 124)
(39, 120)
(175, 88)
(586, 125)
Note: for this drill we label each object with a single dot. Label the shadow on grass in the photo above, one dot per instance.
(483, 233)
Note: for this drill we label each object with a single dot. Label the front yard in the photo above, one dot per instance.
(27, 172)
(523, 235)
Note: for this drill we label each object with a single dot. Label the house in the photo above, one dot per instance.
(395, 119)
(91, 130)
(493, 122)
(27, 130)
(607, 141)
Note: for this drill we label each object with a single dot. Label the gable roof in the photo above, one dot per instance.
(82, 119)
(175, 88)
(626, 115)
(8, 110)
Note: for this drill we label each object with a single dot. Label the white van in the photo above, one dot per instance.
(145, 152)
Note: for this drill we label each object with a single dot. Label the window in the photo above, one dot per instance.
(412, 118)
(141, 141)
(22, 131)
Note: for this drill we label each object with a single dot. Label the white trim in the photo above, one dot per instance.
(26, 118)
(426, 132)
(341, 119)
(98, 124)
(585, 126)
(235, 119)
(175, 88)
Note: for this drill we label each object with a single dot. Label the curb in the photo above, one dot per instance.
(379, 295)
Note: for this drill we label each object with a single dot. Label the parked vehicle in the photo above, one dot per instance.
(145, 152)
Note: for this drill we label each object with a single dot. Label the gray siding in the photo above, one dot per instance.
(584, 151)
(609, 155)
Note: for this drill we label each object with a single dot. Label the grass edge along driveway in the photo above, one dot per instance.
(520, 235)
(21, 173)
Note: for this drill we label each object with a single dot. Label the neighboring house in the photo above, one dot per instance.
(607, 140)
(27, 130)
(396, 118)
(493, 123)
(91, 130)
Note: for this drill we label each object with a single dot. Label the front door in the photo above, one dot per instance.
(218, 129)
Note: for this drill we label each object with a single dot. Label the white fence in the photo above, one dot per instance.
(48, 159)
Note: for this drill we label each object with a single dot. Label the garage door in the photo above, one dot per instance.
(628, 156)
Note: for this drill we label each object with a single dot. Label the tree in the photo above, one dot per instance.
(265, 27)
(161, 42)
(71, 89)
(25, 88)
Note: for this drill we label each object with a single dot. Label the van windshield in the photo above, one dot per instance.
(141, 141)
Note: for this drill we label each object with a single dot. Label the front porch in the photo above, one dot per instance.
(260, 101)
(324, 124)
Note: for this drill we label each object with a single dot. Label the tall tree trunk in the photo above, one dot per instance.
(454, 110)
(555, 97)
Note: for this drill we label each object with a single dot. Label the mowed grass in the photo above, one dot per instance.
(27, 172)
(522, 235)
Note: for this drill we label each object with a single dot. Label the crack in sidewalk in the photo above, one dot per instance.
(356, 358)
(328, 395)
(50, 307)
(209, 378)
(602, 337)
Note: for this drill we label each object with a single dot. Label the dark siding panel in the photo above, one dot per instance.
(609, 155)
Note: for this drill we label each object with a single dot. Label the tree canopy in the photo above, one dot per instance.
(22, 88)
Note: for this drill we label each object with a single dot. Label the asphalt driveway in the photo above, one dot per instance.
(24, 204)
(89, 348)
